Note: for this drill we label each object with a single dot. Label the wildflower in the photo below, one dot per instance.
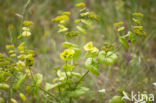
(136, 20)
(62, 28)
(1, 55)
(20, 63)
(138, 14)
(60, 18)
(80, 4)
(138, 27)
(67, 54)
(121, 28)
(21, 47)
(66, 13)
(12, 55)
(27, 23)
(10, 46)
(81, 29)
(92, 15)
(13, 100)
(11, 51)
(77, 20)
(28, 88)
(88, 46)
(26, 33)
(25, 28)
(118, 24)
(4, 86)
(95, 50)
(22, 96)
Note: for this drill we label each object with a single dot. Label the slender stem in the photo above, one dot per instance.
(81, 79)
(40, 87)
(70, 100)
(46, 92)
(66, 72)
(23, 13)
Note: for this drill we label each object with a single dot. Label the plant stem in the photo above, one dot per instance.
(42, 88)
(70, 100)
(81, 79)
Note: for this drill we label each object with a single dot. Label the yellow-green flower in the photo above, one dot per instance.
(77, 20)
(26, 33)
(88, 46)
(66, 13)
(95, 50)
(136, 20)
(1, 55)
(60, 18)
(138, 27)
(22, 96)
(121, 28)
(13, 100)
(118, 24)
(138, 14)
(67, 54)
(20, 63)
(21, 47)
(27, 23)
(25, 28)
(80, 4)
(11, 51)
(12, 55)
(9, 46)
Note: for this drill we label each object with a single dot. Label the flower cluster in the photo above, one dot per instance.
(135, 30)
(26, 30)
(91, 50)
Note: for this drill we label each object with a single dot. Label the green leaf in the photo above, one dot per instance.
(124, 42)
(68, 67)
(69, 45)
(71, 34)
(93, 52)
(62, 28)
(132, 37)
(77, 53)
(121, 29)
(38, 79)
(78, 75)
(92, 65)
(49, 86)
(4, 86)
(107, 58)
(61, 74)
(117, 99)
(20, 81)
(78, 92)
(2, 100)
(81, 29)
(86, 22)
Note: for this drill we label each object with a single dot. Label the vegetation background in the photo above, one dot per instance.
(136, 67)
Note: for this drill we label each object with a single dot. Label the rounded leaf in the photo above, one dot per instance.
(107, 58)
(69, 45)
(92, 65)
(124, 42)
(4, 86)
(117, 99)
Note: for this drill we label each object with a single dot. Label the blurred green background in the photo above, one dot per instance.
(136, 67)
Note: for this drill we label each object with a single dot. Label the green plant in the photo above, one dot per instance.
(16, 66)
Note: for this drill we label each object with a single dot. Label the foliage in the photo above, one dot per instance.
(16, 65)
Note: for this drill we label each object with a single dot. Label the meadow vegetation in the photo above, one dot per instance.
(93, 51)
